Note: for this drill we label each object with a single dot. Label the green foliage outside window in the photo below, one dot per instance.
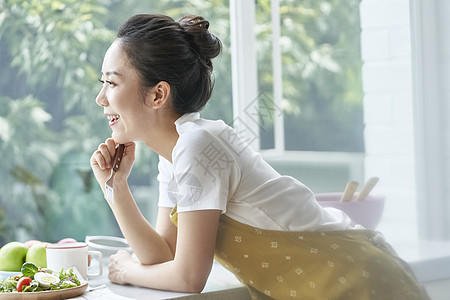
(321, 65)
(51, 55)
(50, 59)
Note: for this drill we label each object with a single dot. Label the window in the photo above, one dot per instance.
(316, 46)
(301, 103)
(308, 92)
(49, 123)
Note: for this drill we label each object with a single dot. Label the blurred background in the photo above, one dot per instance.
(327, 90)
(50, 59)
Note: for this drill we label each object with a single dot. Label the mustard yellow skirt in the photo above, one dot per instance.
(348, 265)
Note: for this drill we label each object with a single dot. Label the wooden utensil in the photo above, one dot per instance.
(349, 191)
(367, 187)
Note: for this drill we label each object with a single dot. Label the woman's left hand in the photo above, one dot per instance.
(119, 262)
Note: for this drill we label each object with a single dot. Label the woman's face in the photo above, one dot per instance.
(121, 98)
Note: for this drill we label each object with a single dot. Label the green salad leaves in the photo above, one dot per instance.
(8, 285)
(29, 269)
(34, 279)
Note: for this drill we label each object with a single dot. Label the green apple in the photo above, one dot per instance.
(37, 255)
(12, 256)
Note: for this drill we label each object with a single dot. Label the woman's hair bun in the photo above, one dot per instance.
(180, 53)
(201, 40)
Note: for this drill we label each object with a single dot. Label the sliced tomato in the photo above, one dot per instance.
(23, 281)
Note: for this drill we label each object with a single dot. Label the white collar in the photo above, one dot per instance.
(189, 117)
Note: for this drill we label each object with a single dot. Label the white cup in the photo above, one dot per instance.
(107, 245)
(70, 255)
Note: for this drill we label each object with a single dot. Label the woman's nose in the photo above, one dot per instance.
(101, 98)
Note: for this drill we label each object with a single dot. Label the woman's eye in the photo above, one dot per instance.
(110, 83)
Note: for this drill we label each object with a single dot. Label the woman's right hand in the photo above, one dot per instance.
(102, 161)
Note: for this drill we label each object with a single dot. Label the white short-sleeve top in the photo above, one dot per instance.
(212, 168)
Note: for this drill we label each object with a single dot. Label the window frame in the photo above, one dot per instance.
(431, 163)
(431, 71)
(245, 93)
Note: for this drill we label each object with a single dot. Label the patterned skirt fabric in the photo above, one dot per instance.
(350, 264)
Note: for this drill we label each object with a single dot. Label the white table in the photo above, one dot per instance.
(430, 260)
(221, 284)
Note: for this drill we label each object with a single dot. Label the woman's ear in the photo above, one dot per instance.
(159, 95)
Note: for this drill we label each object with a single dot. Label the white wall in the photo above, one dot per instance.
(388, 112)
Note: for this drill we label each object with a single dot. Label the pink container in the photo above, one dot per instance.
(367, 212)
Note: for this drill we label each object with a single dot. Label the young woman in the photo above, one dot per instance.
(218, 198)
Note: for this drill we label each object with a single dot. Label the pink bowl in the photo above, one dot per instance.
(367, 212)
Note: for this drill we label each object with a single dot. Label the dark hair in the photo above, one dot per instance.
(179, 53)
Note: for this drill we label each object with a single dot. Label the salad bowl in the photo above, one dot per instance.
(38, 283)
(47, 295)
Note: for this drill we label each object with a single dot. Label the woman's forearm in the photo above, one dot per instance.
(171, 276)
(191, 265)
(149, 247)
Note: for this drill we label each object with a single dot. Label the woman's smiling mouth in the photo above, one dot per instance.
(113, 119)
